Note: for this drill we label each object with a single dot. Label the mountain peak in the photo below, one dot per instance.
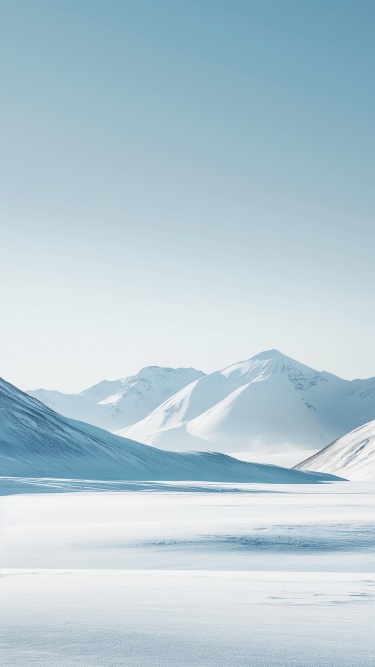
(155, 371)
(279, 362)
(268, 354)
(262, 365)
(272, 355)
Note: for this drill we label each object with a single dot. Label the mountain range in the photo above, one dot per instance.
(37, 442)
(269, 403)
(115, 404)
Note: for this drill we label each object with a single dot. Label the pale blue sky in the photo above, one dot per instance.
(185, 182)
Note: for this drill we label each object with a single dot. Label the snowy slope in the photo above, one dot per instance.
(37, 442)
(268, 403)
(113, 405)
(352, 456)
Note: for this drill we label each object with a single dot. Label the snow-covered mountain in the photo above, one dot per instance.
(37, 442)
(113, 405)
(352, 456)
(268, 403)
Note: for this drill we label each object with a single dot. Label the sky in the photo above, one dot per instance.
(185, 183)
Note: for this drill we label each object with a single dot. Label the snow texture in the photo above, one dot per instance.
(214, 576)
(352, 456)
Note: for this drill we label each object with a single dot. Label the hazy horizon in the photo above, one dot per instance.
(185, 184)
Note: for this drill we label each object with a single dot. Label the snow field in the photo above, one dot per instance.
(163, 618)
(212, 575)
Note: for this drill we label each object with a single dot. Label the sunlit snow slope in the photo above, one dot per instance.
(37, 442)
(113, 405)
(268, 403)
(352, 456)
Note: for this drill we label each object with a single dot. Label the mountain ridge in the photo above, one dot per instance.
(268, 403)
(115, 404)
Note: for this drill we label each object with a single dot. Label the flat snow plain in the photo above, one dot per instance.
(169, 574)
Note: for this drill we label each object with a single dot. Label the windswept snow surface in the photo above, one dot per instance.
(37, 442)
(215, 575)
(352, 456)
(269, 404)
(113, 405)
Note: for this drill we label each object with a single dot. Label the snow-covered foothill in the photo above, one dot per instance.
(352, 456)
